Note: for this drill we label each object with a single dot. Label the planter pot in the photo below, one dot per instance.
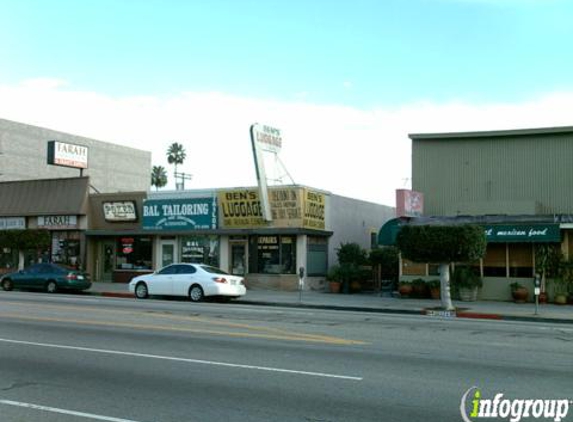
(468, 294)
(520, 295)
(334, 287)
(543, 297)
(420, 291)
(560, 299)
(435, 293)
(405, 290)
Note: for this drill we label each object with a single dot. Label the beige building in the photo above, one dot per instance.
(516, 184)
(111, 168)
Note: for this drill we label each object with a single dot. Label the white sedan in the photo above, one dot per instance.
(193, 280)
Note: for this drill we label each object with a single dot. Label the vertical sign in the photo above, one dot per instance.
(264, 138)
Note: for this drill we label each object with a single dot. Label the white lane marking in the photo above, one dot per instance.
(176, 359)
(63, 411)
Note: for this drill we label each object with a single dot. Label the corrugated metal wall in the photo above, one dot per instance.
(530, 174)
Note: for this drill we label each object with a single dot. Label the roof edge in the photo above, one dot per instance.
(492, 133)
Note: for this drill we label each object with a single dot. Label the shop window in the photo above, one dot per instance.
(317, 256)
(520, 259)
(134, 253)
(8, 259)
(413, 268)
(66, 248)
(494, 263)
(273, 254)
(200, 250)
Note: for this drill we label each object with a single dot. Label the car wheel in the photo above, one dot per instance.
(7, 285)
(196, 293)
(51, 286)
(141, 291)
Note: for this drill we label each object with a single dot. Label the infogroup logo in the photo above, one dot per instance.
(474, 407)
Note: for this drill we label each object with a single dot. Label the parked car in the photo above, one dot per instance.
(48, 277)
(195, 281)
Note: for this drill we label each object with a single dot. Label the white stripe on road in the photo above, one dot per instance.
(63, 411)
(176, 359)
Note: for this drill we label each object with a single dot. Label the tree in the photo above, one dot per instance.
(158, 177)
(176, 154)
(442, 245)
(386, 261)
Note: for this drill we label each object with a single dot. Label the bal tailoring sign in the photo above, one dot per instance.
(180, 214)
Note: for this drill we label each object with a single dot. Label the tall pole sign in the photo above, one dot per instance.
(264, 139)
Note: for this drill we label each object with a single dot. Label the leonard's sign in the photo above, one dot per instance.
(180, 214)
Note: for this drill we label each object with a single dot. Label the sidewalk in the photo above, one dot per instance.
(371, 302)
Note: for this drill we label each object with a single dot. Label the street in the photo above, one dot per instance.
(77, 358)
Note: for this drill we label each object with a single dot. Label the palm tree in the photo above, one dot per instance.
(176, 154)
(158, 177)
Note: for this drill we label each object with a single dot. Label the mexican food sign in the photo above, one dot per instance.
(289, 207)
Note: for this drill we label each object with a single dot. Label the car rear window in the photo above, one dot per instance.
(212, 270)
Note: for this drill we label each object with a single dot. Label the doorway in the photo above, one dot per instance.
(168, 252)
(107, 263)
(239, 258)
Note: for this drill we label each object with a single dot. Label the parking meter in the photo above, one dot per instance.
(537, 284)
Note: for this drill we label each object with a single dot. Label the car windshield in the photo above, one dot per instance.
(212, 270)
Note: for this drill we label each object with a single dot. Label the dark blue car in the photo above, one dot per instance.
(48, 277)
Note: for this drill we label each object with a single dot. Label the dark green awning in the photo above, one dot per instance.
(389, 231)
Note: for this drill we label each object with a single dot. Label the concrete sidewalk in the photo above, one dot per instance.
(371, 302)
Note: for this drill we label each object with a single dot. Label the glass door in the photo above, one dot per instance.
(238, 258)
(168, 253)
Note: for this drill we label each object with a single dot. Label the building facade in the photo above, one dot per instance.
(225, 228)
(111, 168)
(516, 184)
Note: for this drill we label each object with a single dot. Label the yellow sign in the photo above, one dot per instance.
(314, 210)
(290, 207)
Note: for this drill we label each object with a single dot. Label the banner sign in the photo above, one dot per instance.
(289, 206)
(314, 210)
(123, 211)
(58, 222)
(523, 233)
(409, 203)
(13, 223)
(67, 155)
(180, 214)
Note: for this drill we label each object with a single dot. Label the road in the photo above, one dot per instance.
(79, 358)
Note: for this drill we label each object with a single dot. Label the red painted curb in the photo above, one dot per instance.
(121, 295)
(476, 315)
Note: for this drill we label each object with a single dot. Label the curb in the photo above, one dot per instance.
(391, 311)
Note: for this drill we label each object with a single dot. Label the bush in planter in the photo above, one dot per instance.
(419, 288)
(467, 282)
(519, 292)
(334, 278)
(434, 286)
(351, 258)
(405, 288)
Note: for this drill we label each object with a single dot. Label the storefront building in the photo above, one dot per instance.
(515, 184)
(225, 228)
(57, 207)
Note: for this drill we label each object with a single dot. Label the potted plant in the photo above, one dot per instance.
(467, 283)
(405, 288)
(419, 288)
(434, 286)
(334, 279)
(519, 292)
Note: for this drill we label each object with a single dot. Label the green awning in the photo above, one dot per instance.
(389, 231)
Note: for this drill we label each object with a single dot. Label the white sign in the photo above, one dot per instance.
(67, 155)
(119, 211)
(268, 138)
(12, 223)
(58, 222)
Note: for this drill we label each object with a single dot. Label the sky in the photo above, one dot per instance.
(344, 81)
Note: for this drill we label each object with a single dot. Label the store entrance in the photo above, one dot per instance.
(168, 252)
(107, 263)
(239, 258)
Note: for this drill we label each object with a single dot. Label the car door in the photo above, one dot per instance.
(27, 278)
(183, 279)
(161, 283)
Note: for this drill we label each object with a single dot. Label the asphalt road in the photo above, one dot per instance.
(78, 358)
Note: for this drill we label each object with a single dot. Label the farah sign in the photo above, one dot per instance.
(67, 155)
